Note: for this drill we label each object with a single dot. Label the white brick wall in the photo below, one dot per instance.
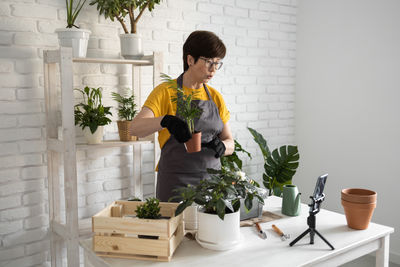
(257, 82)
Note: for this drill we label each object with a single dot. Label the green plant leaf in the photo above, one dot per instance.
(262, 143)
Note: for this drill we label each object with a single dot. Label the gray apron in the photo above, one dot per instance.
(177, 168)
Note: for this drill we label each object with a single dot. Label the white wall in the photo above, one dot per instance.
(257, 82)
(347, 102)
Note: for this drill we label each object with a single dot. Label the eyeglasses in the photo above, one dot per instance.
(210, 64)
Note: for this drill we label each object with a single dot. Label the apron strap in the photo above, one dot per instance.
(179, 81)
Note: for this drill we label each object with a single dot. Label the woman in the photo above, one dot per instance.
(202, 54)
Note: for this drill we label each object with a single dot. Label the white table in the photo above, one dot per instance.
(253, 251)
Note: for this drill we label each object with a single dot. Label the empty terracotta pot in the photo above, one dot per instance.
(358, 215)
(194, 143)
(358, 195)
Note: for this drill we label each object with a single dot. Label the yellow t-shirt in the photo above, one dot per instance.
(159, 101)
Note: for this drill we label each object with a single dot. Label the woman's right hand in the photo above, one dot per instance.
(176, 127)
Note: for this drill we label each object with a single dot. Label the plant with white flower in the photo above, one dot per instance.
(241, 175)
(221, 193)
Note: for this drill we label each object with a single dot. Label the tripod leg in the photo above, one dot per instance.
(323, 238)
(299, 237)
(312, 234)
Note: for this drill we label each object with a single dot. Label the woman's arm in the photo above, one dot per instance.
(227, 139)
(145, 123)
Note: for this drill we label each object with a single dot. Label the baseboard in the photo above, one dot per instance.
(394, 257)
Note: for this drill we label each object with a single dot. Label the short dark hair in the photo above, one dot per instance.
(202, 44)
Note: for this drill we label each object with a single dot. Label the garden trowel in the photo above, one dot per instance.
(261, 233)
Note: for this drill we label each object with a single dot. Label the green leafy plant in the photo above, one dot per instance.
(185, 108)
(221, 193)
(118, 9)
(73, 10)
(280, 165)
(91, 113)
(233, 162)
(126, 106)
(149, 210)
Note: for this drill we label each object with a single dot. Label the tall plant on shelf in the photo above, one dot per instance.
(119, 9)
(126, 112)
(279, 165)
(73, 10)
(72, 35)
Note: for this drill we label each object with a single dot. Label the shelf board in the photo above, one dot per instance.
(110, 143)
(145, 61)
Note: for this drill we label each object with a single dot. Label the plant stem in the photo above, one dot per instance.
(138, 17)
(123, 24)
(132, 19)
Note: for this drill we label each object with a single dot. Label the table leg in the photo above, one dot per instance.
(382, 254)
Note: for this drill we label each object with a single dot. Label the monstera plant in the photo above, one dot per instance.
(280, 165)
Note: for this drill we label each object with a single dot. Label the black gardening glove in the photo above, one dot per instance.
(217, 145)
(176, 127)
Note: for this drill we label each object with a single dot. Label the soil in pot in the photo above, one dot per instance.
(358, 215)
(194, 143)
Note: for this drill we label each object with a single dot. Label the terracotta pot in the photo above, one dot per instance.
(358, 215)
(124, 131)
(194, 143)
(357, 195)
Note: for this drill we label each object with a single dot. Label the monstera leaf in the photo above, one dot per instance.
(281, 165)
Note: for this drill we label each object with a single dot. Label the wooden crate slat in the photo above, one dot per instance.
(131, 245)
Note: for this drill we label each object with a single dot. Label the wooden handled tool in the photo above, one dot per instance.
(261, 233)
(280, 233)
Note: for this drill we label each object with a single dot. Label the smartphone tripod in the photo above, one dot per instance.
(314, 209)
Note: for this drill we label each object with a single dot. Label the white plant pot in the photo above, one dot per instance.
(76, 38)
(217, 234)
(96, 137)
(131, 46)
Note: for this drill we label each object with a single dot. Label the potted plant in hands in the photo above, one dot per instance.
(131, 42)
(126, 113)
(219, 198)
(72, 35)
(188, 111)
(280, 165)
(91, 115)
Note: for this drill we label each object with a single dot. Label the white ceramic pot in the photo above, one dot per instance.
(217, 234)
(76, 38)
(131, 46)
(96, 137)
(190, 217)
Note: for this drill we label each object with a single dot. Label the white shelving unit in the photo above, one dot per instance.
(65, 227)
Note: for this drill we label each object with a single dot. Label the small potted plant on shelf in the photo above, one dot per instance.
(126, 113)
(91, 115)
(188, 111)
(131, 42)
(280, 165)
(72, 35)
(219, 198)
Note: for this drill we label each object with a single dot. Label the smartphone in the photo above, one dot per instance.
(319, 187)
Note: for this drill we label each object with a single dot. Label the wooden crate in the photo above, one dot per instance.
(117, 235)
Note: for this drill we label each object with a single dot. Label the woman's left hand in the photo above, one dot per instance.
(217, 145)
